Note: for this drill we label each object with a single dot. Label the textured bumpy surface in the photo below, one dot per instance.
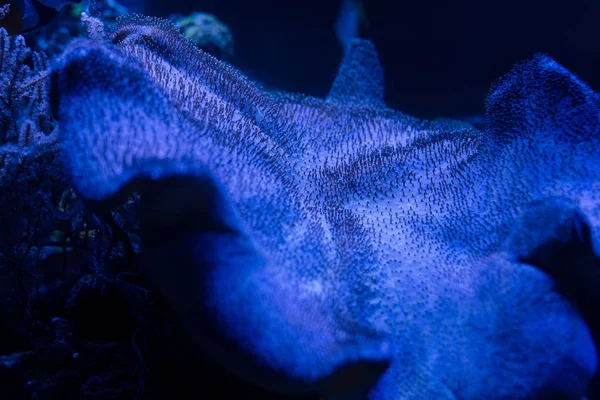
(337, 245)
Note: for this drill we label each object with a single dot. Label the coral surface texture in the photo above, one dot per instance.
(337, 246)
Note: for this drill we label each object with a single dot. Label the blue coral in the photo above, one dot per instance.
(303, 240)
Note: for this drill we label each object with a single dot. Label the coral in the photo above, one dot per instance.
(107, 10)
(48, 244)
(95, 27)
(75, 316)
(4, 10)
(24, 111)
(27, 137)
(304, 242)
(206, 32)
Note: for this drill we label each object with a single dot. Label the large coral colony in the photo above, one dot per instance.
(330, 246)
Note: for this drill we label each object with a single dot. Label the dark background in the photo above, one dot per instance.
(440, 57)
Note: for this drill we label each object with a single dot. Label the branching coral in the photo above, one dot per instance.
(26, 143)
(24, 111)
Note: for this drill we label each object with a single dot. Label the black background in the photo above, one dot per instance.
(440, 57)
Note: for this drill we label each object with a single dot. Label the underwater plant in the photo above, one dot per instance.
(338, 246)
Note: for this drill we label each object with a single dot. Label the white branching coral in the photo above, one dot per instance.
(94, 27)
